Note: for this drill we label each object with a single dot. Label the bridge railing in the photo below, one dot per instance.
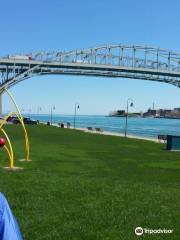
(117, 55)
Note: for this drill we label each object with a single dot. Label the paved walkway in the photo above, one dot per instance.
(110, 133)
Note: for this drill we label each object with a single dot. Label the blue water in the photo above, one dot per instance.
(146, 127)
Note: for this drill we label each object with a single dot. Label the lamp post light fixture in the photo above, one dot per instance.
(129, 103)
(76, 107)
(52, 109)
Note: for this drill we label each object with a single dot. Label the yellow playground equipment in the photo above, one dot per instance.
(8, 146)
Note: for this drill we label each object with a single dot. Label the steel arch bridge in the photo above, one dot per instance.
(123, 61)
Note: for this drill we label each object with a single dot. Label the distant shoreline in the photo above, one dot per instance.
(134, 116)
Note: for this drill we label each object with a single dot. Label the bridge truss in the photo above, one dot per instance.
(122, 61)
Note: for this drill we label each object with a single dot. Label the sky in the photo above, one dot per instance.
(37, 25)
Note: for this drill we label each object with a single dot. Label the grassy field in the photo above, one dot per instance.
(87, 186)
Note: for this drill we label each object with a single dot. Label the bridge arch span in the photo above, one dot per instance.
(122, 61)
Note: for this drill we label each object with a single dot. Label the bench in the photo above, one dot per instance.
(162, 138)
(89, 128)
(98, 129)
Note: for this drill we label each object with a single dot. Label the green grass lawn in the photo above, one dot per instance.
(89, 186)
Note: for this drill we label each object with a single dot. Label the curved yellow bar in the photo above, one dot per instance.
(10, 152)
(19, 115)
(11, 163)
(5, 119)
(22, 123)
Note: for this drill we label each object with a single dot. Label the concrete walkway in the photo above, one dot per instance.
(110, 133)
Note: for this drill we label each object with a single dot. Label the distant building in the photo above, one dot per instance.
(151, 113)
(122, 113)
(163, 113)
(119, 113)
(177, 110)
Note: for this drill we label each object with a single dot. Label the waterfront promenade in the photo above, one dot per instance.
(108, 133)
(148, 128)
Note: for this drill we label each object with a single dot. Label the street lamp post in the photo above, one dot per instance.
(38, 110)
(127, 109)
(52, 108)
(76, 107)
